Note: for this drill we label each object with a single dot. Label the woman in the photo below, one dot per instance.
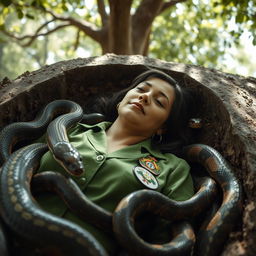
(125, 153)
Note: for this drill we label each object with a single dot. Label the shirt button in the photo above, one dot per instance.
(99, 157)
(82, 181)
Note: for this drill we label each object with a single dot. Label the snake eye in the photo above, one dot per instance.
(68, 158)
(72, 167)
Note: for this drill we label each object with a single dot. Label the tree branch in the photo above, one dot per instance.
(76, 44)
(169, 4)
(146, 12)
(20, 38)
(142, 21)
(33, 37)
(43, 26)
(85, 26)
(102, 12)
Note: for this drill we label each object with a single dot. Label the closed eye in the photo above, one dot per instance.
(159, 103)
(140, 89)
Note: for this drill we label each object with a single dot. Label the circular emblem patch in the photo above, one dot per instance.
(150, 163)
(145, 177)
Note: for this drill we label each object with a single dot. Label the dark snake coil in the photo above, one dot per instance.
(24, 216)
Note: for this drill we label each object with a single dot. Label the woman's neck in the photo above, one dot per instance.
(120, 135)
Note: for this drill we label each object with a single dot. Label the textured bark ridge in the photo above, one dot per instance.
(228, 109)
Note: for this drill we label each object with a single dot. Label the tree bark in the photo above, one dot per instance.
(120, 27)
(141, 24)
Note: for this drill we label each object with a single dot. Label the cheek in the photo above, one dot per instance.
(123, 105)
(162, 116)
(157, 118)
(126, 98)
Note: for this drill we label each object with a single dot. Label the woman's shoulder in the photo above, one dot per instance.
(166, 159)
(175, 161)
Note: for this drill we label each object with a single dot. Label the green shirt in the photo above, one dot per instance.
(109, 177)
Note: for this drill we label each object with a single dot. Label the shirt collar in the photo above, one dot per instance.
(142, 148)
(97, 127)
(146, 146)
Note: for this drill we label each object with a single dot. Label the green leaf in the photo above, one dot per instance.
(20, 13)
(254, 41)
(6, 2)
(2, 27)
(239, 18)
(30, 16)
(64, 7)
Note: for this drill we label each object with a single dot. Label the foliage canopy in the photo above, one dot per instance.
(197, 32)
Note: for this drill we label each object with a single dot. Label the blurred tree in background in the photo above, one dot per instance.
(38, 32)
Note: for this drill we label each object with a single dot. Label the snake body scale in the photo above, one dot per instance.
(56, 118)
(22, 214)
(19, 131)
(74, 198)
(211, 238)
(131, 206)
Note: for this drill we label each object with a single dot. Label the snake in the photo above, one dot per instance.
(73, 197)
(210, 238)
(128, 209)
(22, 214)
(55, 119)
(138, 202)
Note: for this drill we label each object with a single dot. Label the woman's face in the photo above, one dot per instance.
(148, 105)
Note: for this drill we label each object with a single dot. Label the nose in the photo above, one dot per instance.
(145, 98)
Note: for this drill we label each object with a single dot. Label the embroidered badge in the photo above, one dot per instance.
(145, 177)
(150, 163)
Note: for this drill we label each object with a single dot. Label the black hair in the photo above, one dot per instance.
(177, 130)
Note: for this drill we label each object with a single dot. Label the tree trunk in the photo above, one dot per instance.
(228, 110)
(127, 33)
(123, 30)
(120, 27)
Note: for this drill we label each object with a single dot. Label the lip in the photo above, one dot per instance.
(139, 106)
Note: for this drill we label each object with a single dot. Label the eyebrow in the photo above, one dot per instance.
(163, 94)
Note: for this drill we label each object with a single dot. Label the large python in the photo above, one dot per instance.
(20, 211)
(75, 199)
(130, 207)
(68, 113)
(134, 204)
(210, 238)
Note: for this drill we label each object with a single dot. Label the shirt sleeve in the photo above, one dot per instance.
(179, 184)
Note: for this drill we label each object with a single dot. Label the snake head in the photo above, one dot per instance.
(68, 157)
